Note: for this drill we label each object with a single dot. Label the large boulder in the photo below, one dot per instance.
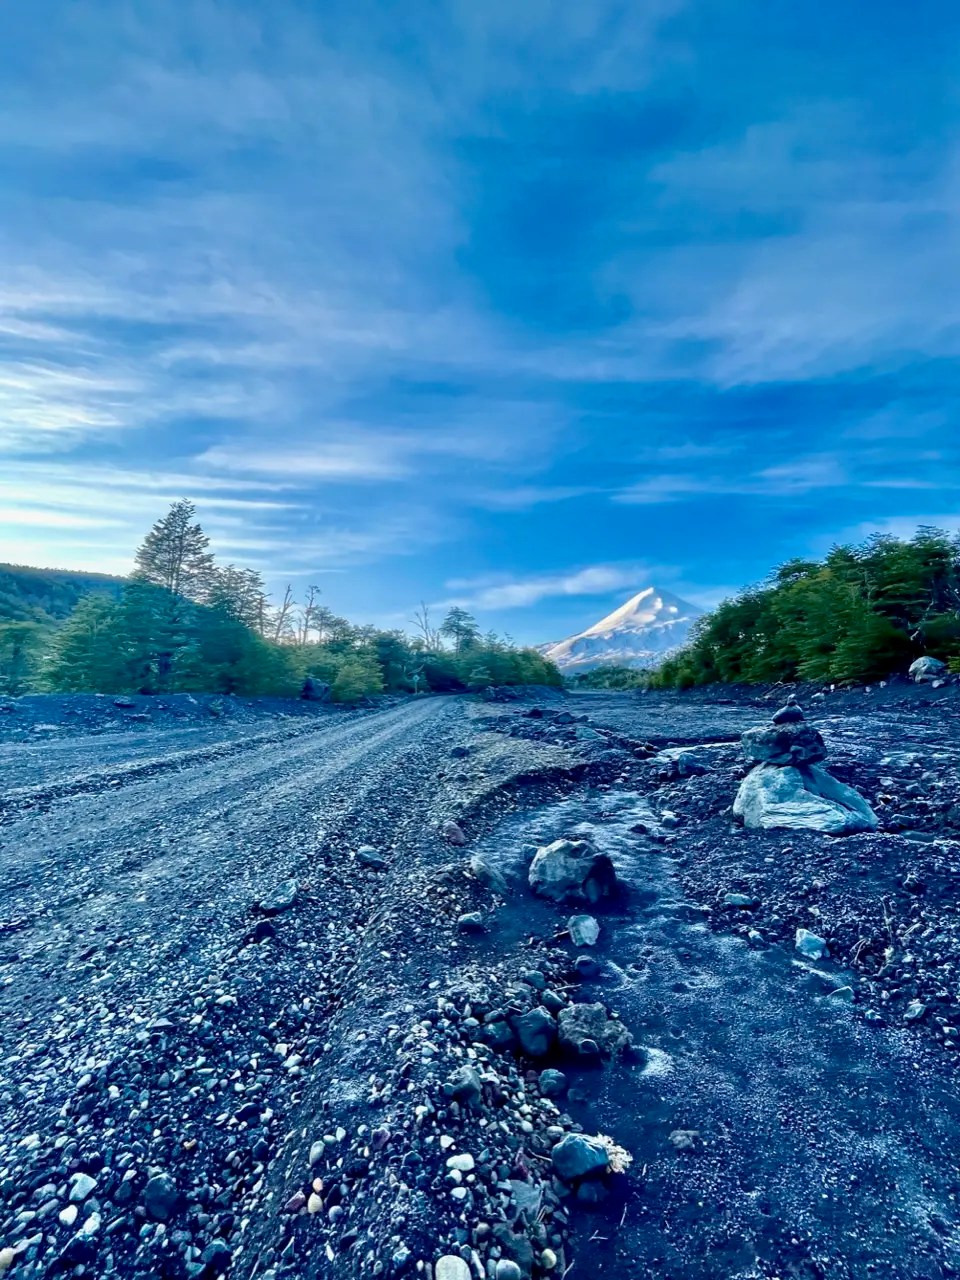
(805, 798)
(925, 670)
(583, 1026)
(572, 871)
(791, 743)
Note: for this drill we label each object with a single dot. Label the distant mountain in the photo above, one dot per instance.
(638, 634)
(48, 595)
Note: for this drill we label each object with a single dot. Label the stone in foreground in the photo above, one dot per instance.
(810, 945)
(280, 899)
(801, 799)
(584, 931)
(585, 1028)
(450, 1267)
(536, 1031)
(572, 871)
(577, 1156)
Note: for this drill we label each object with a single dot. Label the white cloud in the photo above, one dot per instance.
(518, 593)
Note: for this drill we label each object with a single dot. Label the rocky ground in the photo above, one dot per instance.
(277, 998)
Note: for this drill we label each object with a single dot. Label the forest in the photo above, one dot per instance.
(183, 623)
(860, 614)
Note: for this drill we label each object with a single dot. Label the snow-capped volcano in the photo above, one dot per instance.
(638, 634)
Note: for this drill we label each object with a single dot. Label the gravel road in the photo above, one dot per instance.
(263, 982)
(129, 872)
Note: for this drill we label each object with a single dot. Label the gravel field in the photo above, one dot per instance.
(277, 998)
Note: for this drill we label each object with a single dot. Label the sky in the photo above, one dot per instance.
(522, 306)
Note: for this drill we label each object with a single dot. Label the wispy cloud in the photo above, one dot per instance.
(519, 593)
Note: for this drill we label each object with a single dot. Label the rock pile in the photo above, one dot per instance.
(786, 788)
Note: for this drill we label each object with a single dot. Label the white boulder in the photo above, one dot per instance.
(803, 798)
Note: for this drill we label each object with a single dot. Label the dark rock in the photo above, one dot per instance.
(576, 1156)
(792, 713)
(784, 744)
(453, 833)
(465, 1086)
(553, 1084)
(536, 1031)
(470, 922)
(367, 856)
(314, 690)
(161, 1198)
(587, 1031)
(280, 899)
(216, 1257)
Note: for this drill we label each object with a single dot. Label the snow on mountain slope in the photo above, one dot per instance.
(638, 634)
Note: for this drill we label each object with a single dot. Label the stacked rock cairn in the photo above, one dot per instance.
(787, 788)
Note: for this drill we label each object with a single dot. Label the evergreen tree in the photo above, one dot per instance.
(89, 655)
(460, 628)
(174, 554)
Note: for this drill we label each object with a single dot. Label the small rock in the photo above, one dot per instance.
(367, 856)
(792, 713)
(588, 1031)
(584, 931)
(488, 876)
(462, 1163)
(82, 1185)
(465, 1086)
(914, 1011)
(453, 833)
(470, 922)
(508, 1270)
(739, 900)
(217, 1256)
(927, 670)
(280, 899)
(161, 1198)
(571, 870)
(536, 1031)
(810, 945)
(686, 1140)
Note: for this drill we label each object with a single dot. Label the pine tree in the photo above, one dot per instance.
(460, 627)
(174, 554)
(90, 654)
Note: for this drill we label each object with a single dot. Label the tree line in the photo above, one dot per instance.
(183, 623)
(860, 614)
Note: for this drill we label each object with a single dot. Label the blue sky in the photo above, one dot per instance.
(519, 305)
